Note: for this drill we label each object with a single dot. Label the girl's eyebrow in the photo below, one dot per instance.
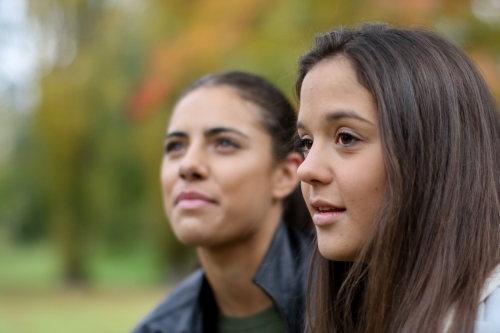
(331, 116)
(345, 114)
(300, 125)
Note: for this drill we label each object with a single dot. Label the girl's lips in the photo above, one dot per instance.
(192, 200)
(323, 218)
(325, 213)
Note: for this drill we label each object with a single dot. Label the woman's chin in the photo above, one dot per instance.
(193, 240)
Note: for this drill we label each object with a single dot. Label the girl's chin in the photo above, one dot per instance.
(336, 254)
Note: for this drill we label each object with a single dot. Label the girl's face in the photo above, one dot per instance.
(218, 174)
(343, 175)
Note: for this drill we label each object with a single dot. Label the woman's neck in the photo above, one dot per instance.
(229, 270)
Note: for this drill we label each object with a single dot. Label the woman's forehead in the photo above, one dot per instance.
(211, 107)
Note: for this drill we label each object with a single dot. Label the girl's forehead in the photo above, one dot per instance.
(331, 90)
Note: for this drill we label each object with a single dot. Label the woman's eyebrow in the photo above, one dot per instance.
(176, 134)
(217, 130)
(345, 114)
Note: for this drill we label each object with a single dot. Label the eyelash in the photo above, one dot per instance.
(232, 143)
(304, 145)
(221, 142)
(169, 147)
(348, 135)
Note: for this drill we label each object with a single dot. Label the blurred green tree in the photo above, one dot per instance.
(88, 163)
(93, 169)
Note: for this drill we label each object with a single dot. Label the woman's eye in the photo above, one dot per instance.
(346, 139)
(304, 145)
(225, 143)
(173, 146)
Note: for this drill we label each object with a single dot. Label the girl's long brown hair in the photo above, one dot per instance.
(437, 237)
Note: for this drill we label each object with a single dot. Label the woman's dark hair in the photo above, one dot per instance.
(437, 236)
(279, 119)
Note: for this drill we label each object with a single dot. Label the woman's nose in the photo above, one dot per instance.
(315, 169)
(193, 165)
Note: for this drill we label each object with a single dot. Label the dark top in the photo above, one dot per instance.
(191, 307)
(266, 321)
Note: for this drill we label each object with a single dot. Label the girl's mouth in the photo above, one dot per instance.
(326, 217)
(325, 213)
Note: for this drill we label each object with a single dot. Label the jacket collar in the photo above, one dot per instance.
(281, 275)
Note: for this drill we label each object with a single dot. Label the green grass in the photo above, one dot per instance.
(38, 266)
(122, 289)
(34, 266)
(55, 311)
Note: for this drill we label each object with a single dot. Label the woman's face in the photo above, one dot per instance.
(343, 175)
(218, 170)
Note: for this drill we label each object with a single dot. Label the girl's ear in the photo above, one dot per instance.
(285, 176)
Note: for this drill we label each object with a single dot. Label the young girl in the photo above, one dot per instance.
(228, 172)
(401, 139)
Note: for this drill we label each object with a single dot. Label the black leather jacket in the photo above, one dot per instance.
(191, 307)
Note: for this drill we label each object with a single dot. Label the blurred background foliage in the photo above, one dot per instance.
(86, 87)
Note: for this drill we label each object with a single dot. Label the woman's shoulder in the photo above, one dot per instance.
(177, 306)
(488, 315)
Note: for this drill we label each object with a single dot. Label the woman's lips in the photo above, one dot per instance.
(191, 200)
(192, 204)
(325, 213)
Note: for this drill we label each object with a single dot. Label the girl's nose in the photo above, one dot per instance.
(315, 169)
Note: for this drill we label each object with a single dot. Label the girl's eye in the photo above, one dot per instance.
(173, 146)
(304, 145)
(346, 139)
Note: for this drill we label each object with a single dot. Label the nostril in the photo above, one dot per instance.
(182, 173)
(190, 174)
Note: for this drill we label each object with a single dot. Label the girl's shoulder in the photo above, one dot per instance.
(488, 314)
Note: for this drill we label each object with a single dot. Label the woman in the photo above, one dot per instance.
(400, 136)
(228, 174)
